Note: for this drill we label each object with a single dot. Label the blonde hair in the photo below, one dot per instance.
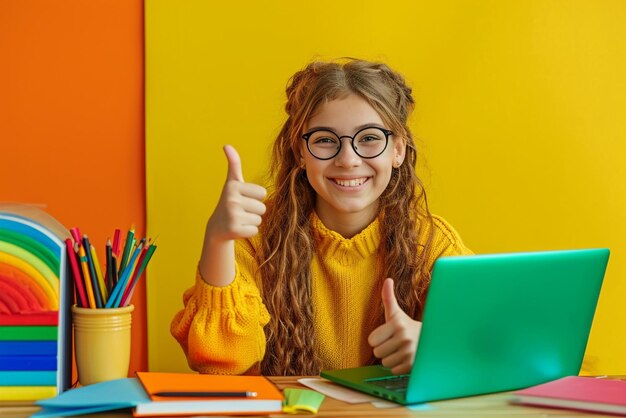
(287, 249)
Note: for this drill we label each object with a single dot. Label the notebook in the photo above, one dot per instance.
(204, 394)
(494, 323)
(576, 392)
(104, 396)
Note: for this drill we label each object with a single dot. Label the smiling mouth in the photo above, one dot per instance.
(350, 182)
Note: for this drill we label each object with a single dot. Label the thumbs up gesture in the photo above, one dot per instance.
(239, 210)
(237, 215)
(395, 341)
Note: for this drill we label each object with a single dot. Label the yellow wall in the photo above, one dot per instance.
(520, 115)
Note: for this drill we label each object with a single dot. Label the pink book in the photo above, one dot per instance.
(575, 392)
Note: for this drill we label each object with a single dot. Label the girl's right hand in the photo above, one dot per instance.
(239, 210)
(237, 215)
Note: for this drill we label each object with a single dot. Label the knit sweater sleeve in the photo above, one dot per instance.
(220, 329)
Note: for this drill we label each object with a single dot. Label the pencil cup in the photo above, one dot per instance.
(101, 343)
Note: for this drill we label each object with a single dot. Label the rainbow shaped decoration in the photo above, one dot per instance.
(35, 296)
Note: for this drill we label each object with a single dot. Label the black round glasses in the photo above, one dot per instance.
(368, 142)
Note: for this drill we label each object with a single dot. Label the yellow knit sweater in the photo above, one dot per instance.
(221, 328)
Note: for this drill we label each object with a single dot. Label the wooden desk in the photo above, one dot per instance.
(495, 405)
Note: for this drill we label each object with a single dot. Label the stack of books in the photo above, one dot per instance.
(35, 326)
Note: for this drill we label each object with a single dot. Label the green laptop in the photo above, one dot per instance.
(494, 323)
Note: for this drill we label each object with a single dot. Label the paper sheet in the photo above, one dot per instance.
(341, 393)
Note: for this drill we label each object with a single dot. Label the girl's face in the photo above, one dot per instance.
(348, 187)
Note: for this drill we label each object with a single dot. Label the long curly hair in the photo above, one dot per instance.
(287, 249)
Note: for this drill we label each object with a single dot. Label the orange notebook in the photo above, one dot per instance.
(204, 394)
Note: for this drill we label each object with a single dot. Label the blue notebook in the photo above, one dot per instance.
(105, 396)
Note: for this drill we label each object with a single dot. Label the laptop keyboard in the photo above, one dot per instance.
(394, 383)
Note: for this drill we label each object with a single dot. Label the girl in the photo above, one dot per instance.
(294, 285)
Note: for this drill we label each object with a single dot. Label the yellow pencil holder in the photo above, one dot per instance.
(101, 343)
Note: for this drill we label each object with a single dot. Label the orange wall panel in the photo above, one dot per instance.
(71, 119)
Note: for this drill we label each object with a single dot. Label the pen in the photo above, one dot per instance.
(178, 394)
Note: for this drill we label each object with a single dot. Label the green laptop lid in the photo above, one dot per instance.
(505, 321)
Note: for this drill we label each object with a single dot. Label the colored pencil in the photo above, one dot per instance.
(127, 247)
(97, 292)
(81, 299)
(116, 296)
(131, 267)
(134, 277)
(75, 234)
(101, 283)
(109, 272)
(116, 242)
(143, 266)
(114, 275)
(85, 268)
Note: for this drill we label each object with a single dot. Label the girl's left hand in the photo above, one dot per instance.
(395, 341)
